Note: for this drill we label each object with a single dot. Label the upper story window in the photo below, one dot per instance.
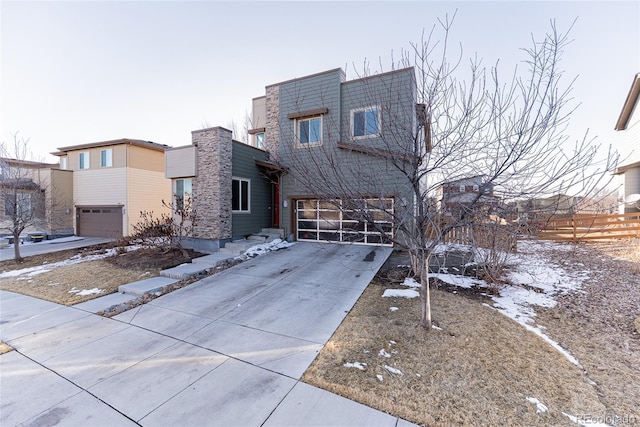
(182, 191)
(462, 188)
(240, 195)
(106, 158)
(365, 122)
(63, 162)
(309, 130)
(83, 160)
(260, 140)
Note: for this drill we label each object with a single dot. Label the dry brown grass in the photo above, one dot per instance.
(478, 370)
(106, 274)
(57, 284)
(5, 348)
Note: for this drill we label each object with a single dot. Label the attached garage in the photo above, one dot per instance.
(99, 221)
(361, 221)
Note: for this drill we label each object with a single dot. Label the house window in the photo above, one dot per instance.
(462, 188)
(63, 162)
(106, 158)
(475, 188)
(240, 195)
(182, 192)
(83, 160)
(365, 122)
(309, 130)
(260, 140)
(18, 206)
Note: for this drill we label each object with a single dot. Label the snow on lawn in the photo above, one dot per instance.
(393, 370)
(83, 292)
(400, 293)
(535, 280)
(540, 407)
(357, 365)
(76, 259)
(263, 248)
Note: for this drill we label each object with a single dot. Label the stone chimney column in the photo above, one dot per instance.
(212, 186)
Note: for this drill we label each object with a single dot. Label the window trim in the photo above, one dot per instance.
(296, 130)
(84, 164)
(248, 189)
(365, 110)
(108, 158)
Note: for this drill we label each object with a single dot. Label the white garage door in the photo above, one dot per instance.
(363, 221)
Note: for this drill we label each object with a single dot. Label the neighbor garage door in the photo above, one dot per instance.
(364, 221)
(99, 221)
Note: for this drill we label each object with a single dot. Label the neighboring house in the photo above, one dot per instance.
(543, 208)
(39, 193)
(238, 189)
(113, 181)
(454, 197)
(629, 123)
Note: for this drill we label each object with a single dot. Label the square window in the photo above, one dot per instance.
(462, 188)
(83, 160)
(106, 158)
(365, 122)
(63, 162)
(17, 205)
(309, 130)
(240, 195)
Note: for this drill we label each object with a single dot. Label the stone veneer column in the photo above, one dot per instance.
(212, 185)
(272, 126)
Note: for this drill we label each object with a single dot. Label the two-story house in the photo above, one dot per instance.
(324, 162)
(629, 123)
(457, 195)
(38, 194)
(113, 181)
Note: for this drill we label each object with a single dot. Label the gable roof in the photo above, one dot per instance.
(629, 104)
(137, 142)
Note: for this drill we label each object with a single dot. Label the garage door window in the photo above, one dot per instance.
(364, 221)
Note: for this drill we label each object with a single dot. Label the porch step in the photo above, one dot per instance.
(212, 260)
(106, 303)
(239, 247)
(146, 286)
(186, 271)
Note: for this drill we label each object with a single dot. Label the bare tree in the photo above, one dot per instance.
(510, 132)
(22, 191)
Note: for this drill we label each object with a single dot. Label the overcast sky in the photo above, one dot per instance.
(79, 72)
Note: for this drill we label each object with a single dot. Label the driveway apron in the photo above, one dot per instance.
(227, 350)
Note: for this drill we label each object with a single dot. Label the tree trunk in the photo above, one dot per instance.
(16, 247)
(425, 295)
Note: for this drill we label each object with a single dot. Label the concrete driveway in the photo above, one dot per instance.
(227, 350)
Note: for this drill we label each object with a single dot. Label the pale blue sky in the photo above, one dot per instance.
(79, 72)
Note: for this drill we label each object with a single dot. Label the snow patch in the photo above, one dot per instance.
(357, 365)
(383, 353)
(84, 292)
(540, 407)
(393, 370)
(411, 283)
(264, 248)
(400, 293)
(380, 378)
(393, 309)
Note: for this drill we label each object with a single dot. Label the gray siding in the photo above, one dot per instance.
(631, 186)
(244, 166)
(370, 176)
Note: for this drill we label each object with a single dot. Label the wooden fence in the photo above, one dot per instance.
(585, 228)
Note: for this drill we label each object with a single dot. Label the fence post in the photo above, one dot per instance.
(573, 224)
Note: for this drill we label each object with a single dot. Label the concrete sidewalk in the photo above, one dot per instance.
(227, 350)
(54, 245)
